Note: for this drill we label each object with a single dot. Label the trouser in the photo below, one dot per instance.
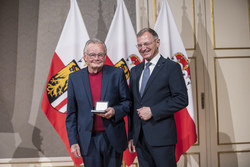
(101, 153)
(155, 156)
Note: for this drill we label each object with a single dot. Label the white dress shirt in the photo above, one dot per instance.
(151, 67)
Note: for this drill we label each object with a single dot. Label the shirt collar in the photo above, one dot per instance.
(154, 60)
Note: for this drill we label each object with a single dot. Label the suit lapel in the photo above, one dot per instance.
(156, 70)
(105, 81)
(86, 85)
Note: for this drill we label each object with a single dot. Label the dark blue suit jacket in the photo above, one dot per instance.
(165, 94)
(79, 120)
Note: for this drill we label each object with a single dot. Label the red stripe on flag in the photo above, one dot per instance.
(55, 67)
(56, 118)
(60, 105)
(127, 156)
(108, 61)
(69, 48)
(186, 132)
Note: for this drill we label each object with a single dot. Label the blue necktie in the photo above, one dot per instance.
(145, 78)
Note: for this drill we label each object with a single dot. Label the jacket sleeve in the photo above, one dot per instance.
(71, 122)
(123, 108)
(178, 98)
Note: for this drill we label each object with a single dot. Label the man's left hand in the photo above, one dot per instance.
(144, 113)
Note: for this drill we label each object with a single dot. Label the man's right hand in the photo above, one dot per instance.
(75, 150)
(131, 147)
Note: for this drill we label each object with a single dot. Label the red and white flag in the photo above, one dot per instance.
(172, 46)
(68, 57)
(122, 52)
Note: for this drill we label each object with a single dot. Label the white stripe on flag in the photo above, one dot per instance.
(63, 109)
(73, 38)
(59, 99)
(121, 38)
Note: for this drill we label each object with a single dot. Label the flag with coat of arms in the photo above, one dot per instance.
(172, 46)
(122, 52)
(67, 58)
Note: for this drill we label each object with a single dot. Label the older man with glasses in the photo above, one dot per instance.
(98, 99)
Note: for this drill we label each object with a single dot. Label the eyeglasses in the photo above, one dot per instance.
(99, 55)
(146, 44)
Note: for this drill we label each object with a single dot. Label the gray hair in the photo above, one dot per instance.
(94, 41)
(151, 31)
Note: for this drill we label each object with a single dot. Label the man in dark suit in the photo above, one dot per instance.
(157, 91)
(99, 138)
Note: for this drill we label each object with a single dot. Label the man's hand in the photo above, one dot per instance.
(75, 150)
(144, 113)
(131, 147)
(110, 112)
